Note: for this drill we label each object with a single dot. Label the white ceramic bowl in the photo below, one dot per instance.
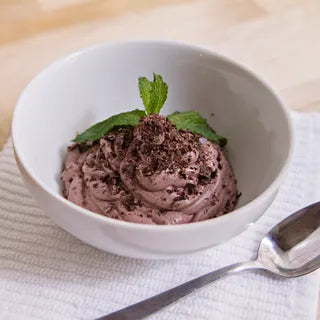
(93, 84)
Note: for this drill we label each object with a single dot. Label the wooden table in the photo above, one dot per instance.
(279, 39)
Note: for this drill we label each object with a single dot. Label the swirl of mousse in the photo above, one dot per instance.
(153, 174)
(92, 180)
(180, 174)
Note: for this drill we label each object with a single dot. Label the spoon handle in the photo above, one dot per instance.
(151, 305)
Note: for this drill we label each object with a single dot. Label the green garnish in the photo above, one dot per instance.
(153, 94)
(97, 131)
(192, 121)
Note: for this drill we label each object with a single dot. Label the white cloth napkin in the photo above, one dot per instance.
(45, 273)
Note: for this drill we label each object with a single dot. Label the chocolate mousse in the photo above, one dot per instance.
(152, 173)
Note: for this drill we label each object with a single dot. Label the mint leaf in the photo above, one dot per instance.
(95, 132)
(192, 121)
(145, 88)
(153, 93)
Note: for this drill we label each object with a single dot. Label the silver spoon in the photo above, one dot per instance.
(290, 249)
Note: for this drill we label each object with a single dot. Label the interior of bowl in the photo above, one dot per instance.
(89, 86)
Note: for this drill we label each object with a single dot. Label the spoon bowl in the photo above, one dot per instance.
(290, 249)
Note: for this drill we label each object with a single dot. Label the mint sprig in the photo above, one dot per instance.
(97, 131)
(153, 93)
(192, 121)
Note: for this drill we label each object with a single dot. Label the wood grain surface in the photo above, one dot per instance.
(277, 39)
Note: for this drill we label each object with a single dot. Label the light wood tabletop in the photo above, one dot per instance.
(277, 39)
(280, 40)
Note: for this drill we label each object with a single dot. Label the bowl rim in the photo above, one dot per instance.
(154, 227)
